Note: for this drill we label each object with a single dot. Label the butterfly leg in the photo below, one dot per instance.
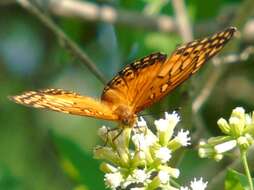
(107, 135)
(118, 134)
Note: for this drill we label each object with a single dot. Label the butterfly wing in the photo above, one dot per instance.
(130, 82)
(66, 102)
(178, 67)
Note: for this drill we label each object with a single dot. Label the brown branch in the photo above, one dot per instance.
(90, 11)
(65, 40)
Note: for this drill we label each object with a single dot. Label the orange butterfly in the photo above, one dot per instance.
(136, 87)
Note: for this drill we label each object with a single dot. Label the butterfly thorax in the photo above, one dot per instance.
(126, 116)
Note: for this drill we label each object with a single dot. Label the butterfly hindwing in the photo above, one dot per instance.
(66, 102)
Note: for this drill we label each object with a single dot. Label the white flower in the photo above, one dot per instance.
(113, 180)
(183, 137)
(137, 176)
(140, 175)
(226, 146)
(163, 154)
(141, 122)
(238, 112)
(139, 141)
(170, 121)
(161, 125)
(198, 185)
(163, 177)
(150, 138)
(173, 118)
(144, 140)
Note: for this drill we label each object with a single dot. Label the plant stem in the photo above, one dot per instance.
(246, 168)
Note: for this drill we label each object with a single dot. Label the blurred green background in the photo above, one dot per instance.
(47, 150)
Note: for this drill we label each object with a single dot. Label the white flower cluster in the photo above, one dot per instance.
(238, 130)
(138, 158)
(196, 185)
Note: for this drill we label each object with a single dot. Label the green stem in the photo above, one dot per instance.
(173, 182)
(246, 168)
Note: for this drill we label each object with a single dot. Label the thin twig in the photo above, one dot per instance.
(90, 11)
(215, 72)
(229, 59)
(67, 42)
(182, 20)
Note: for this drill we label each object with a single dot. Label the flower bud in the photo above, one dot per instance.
(218, 140)
(139, 159)
(237, 126)
(243, 143)
(106, 153)
(218, 157)
(224, 126)
(224, 147)
(174, 172)
(238, 112)
(107, 168)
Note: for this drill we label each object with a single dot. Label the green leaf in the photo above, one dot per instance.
(8, 181)
(236, 181)
(79, 164)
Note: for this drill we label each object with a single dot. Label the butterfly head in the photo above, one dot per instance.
(126, 116)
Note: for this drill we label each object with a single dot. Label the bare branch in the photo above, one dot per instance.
(182, 19)
(66, 42)
(215, 73)
(229, 59)
(90, 11)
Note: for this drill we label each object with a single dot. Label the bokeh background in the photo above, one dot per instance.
(47, 150)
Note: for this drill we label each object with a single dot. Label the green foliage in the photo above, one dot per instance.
(78, 164)
(236, 181)
(8, 181)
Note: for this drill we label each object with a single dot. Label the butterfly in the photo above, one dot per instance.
(136, 87)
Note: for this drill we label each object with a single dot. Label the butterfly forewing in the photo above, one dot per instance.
(66, 102)
(183, 62)
(129, 84)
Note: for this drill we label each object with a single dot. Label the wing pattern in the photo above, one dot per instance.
(137, 86)
(182, 63)
(66, 102)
